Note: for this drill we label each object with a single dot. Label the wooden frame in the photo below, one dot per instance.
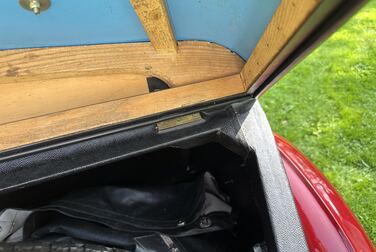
(206, 60)
(197, 72)
(153, 15)
(36, 82)
(24, 100)
(81, 119)
(288, 18)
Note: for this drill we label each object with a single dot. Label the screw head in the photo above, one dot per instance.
(205, 222)
(36, 6)
(181, 223)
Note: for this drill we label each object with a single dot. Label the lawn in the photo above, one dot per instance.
(326, 107)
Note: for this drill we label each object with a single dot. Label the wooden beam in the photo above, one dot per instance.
(153, 15)
(195, 62)
(24, 100)
(288, 18)
(82, 119)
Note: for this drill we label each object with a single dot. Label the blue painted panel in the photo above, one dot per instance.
(236, 24)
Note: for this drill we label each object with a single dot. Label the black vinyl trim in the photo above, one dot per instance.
(240, 127)
(77, 137)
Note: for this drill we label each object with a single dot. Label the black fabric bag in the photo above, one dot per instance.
(187, 216)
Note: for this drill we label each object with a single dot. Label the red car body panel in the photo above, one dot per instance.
(328, 222)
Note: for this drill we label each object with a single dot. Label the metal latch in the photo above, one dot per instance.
(177, 121)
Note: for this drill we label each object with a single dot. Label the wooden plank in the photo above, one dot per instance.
(195, 62)
(153, 15)
(23, 100)
(82, 119)
(288, 18)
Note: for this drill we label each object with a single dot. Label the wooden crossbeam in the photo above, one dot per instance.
(195, 62)
(82, 119)
(36, 82)
(24, 100)
(154, 17)
(288, 18)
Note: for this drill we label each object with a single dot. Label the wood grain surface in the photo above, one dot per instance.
(154, 18)
(195, 62)
(289, 16)
(85, 118)
(24, 100)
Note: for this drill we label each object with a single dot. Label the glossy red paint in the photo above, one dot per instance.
(327, 221)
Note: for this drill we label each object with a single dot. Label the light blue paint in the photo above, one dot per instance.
(235, 24)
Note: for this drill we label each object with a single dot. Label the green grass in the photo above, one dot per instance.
(326, 107)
